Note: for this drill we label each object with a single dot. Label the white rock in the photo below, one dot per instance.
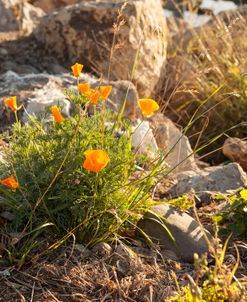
(143, 139)
(43, 99)
(217, 179)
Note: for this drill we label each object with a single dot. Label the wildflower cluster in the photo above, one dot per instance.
(74, 172)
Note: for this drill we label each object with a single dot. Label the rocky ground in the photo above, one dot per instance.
(34, 63)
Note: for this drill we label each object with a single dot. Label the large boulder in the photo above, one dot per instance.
(175, 231)
(85, 32)
(217, 179)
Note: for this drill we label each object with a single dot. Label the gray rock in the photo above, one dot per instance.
(20, 68)
(19, 15)
(217, 179)
(236, 150)
(40, 91)
(102, 249)
(188, 237)
(84, 32)
(175, 145)
(8, 20)
(121, 91)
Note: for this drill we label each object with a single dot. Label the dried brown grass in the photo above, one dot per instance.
(206, 69)
(68, 275)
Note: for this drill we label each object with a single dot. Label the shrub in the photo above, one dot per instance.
(73, 173)
(215, 283)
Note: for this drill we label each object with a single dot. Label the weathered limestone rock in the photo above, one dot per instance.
(217, 179)
(52, 5)
(7, 16)
(40, 91)
(236, 150)
(187, 235)
(176, 146)
(84, 32)
(19, 15)
(29, 17)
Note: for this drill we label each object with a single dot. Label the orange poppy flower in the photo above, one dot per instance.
(105, 92)
(76, 69)
(148, 106)
(11, 103)
(10, 182)
(57, 114)
(84, 87)
(96, 160)
(93, 96)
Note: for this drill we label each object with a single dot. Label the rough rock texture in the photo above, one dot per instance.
(52, 5)
(236, 150)
(29, 17)
(178, 6)
(218, 179)
(187, 234)
(84, 32)
(39, 91)
(176, 146)
(7, 16)
(19, 15)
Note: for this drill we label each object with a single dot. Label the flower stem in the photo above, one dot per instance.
(16, 117)
(103, 122)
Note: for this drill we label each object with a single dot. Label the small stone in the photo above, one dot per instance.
(125, 251)
(102, 249)
(8, 215)
(83, 250)
(3, 51)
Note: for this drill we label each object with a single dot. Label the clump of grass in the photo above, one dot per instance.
(183, 202)
(206, 72)
(215, 283)
(234, 216)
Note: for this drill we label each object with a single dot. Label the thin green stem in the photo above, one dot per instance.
(103, 122)
(16, 117)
